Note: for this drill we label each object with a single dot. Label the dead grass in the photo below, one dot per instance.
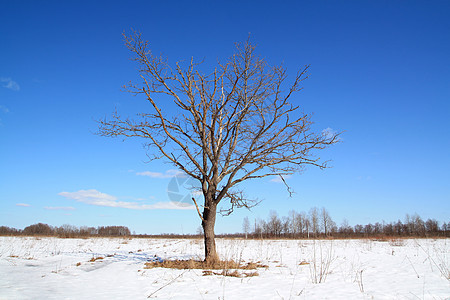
(229, 273)
(228, 268)
(93, 259)
(251, 274)
(197, 264)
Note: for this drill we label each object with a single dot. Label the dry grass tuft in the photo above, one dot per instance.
(252, 266)
(208, 273)
(95, 258)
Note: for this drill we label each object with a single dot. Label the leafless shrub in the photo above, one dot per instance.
(321, 261)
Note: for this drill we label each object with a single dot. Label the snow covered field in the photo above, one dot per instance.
(113, 268)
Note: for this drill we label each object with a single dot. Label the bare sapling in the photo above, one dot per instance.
(321, 261)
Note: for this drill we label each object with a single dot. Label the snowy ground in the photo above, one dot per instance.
(52, 268)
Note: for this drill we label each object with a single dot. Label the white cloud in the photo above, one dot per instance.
(329, 132)
(170, 205)
(9, 84)
(4, 109)
(23, 204)
(278, 179)
(94, 197)
(197, 193)
(89, 196)
(168, 174)
(59, 208)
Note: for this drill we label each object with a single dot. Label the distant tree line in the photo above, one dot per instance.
(317, 223)
(67, 231)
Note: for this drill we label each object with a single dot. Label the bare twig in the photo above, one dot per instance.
(169, 283)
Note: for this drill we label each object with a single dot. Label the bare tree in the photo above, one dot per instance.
(258, 231)
(274, 224)
(314, 219)
(302, 223)
(235, 124)
(294, 226)
(327, 222)
(38, 229)
(432, 226)
(345, 229)
(246, 226)
(307, 223)
(286, 226)
(377, 228)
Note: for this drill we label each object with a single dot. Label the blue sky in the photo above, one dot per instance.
(379, 71)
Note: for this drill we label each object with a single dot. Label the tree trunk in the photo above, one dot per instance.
(208, 223)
